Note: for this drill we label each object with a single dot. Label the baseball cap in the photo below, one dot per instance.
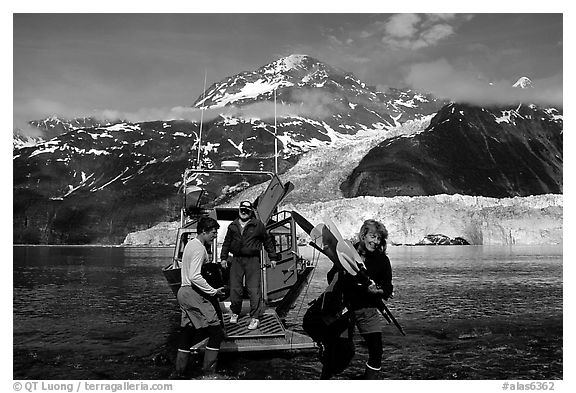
(246, 205)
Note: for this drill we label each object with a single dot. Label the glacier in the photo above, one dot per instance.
(532, 220)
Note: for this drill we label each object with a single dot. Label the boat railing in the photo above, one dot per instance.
(226, 171)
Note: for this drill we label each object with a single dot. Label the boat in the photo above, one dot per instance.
(282, 285)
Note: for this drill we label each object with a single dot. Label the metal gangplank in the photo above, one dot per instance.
(271, 335)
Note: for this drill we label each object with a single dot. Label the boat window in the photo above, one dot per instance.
(282, 238)
(186, 236)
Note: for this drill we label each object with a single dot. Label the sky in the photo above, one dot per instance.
(143, 65)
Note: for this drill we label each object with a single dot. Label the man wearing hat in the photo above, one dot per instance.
(244, 240)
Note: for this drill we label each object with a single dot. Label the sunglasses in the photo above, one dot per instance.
(246, 211)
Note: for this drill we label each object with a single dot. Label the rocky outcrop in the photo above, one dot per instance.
(438, 239)
(163, 234)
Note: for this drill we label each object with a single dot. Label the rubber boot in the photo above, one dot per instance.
(181, 364)
(371, 372)
(209, 364)
(325, 373)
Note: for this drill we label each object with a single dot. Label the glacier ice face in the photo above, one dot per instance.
(533, 220)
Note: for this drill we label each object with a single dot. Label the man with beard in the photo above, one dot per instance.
(244, 239)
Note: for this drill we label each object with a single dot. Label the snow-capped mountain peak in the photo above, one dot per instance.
(289, 62)
(295, 70)
(523, 83)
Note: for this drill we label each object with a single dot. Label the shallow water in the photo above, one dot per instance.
(470, 312)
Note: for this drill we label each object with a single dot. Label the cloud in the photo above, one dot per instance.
(400, 31)
(43, 108)
(25, 129)
(379, 50)
(151, 114)
(445, 81)
(436, 33)
(414, 31)
(402, 26)
(311, 103)
(433, 18)
(316, 104)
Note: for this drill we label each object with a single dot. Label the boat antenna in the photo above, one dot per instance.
(275, 138)
(199, 163)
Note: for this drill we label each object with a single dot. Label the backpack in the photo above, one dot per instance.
(329, 324)
(326, 318)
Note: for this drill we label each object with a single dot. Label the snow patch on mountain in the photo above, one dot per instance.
(123, 127)
(46, 147)
(183, 134)
(289, 62)
(408, 104)
(507, 117)
(553, 112)
(22, 141)
(250, 90)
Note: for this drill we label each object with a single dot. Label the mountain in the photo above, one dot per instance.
(20, 140)
(95, 184)
(523, 83)
(492, 152)
(54, 126)
(39, 131)
(307, 87)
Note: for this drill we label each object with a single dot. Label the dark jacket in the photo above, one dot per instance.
(249, 242)
(356, 293)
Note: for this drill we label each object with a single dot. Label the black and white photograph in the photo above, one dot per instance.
(322, 193)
